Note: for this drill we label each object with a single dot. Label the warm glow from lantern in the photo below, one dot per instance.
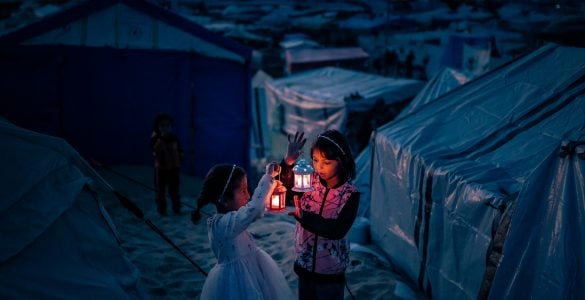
(277, 202)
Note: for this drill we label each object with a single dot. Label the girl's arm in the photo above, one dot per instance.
(240, 219)
(333, 229)
(294, 150)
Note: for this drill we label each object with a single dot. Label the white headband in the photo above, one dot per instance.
(332, 141)
(227, 182)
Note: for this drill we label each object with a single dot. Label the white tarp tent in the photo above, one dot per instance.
(321, 99)
(56, 239)
(444, 176)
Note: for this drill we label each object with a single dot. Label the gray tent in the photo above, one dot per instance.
(444, 81)
(56, 239)
(481, 193)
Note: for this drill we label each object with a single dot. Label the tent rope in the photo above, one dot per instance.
(130, 179)
(570, 148)
(132, 207)
(350, 293)
(128, 204)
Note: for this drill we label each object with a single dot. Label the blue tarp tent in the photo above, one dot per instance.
(56, 239)
(441, 83)
(98, 73)
(474, 181)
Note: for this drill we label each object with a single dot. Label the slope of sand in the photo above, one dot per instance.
(169, 275)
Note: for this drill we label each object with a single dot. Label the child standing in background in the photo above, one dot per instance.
(243, 271)
(168, 155)
(324, 215)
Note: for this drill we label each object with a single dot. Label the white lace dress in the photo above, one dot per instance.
(243, 271)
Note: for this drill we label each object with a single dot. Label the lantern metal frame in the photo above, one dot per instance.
(303, 173)
(280, 197)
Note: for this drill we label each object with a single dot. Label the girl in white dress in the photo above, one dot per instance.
(243, 271)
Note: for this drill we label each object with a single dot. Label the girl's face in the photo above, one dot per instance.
(240, 195)
(326, 168)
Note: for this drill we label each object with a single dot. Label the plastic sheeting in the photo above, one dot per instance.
(440, 84)
(442, 175)
(385, 21)
(56, 240)
(260, 137)
(317, 100)
(468, 52)
(133, 25)
(103, 100)
(545, 253)
(311, 58)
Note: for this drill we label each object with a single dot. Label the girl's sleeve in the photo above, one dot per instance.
(333, 229)
(239, 220)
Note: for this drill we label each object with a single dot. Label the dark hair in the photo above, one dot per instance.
(213, 185)
(334, 146)
(159, 119)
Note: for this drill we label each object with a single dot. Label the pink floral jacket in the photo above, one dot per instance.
(320, 235)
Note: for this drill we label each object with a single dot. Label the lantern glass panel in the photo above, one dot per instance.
(277, 202)
(306, 181)
(302, 176)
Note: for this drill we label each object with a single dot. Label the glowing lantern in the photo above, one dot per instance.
(303, 173)
(277, 202)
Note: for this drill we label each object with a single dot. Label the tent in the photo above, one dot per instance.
(303, 59)
(321, 99)
(98, 73)
(361, 22)
(260, 144)
(480, 193)
(56, 239)
(297, 41)
(468, 52)
(444, 81)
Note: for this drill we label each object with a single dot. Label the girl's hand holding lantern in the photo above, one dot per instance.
(273, 169)
(276, 202)
(279, 187)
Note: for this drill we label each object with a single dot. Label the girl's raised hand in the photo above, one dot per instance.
(295, 147)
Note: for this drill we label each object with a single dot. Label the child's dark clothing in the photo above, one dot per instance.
(168, 154)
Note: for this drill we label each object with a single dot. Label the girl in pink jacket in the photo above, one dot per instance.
(324, 215)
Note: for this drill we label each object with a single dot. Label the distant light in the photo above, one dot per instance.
(558, 6)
